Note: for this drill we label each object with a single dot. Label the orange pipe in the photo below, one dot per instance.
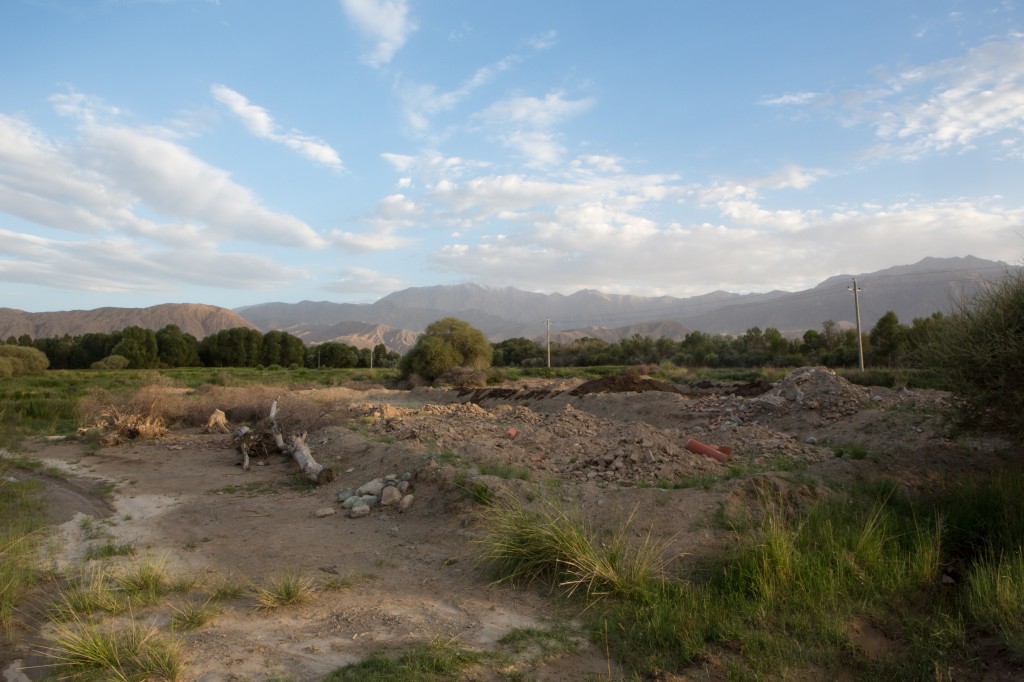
(708, 451)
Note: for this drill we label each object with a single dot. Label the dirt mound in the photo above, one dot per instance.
(623, 383)
(814, 388)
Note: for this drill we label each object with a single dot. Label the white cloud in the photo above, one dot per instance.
(952, 104)
(122, 265)
(261, 124)
(543, 41)
(386, 22)
(167, 177)
(423, 101)
(789, 99)
(596, 246)
(365, 280)
(535, 112)
(383, 239)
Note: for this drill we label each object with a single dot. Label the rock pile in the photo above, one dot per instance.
(390, 492)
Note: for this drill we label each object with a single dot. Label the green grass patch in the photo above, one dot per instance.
(434, 662)
(108, 550)
(504, 470)
(22, 520)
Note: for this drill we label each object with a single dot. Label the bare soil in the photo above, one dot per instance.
(601, 448)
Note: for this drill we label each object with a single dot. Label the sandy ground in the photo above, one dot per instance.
(183, 500)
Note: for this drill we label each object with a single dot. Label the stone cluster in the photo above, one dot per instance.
(390, 492)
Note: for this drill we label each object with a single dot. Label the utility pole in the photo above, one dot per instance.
(547, 321)
(856, 302)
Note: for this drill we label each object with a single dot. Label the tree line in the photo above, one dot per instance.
(138, 348)
(889, 343)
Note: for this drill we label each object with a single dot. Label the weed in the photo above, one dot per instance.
(851, 451)
(92, 530)
(227, 588)
(545, 642)
(145, 582)
(21, 507)
(345, 581)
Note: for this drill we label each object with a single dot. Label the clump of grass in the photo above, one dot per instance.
(91, 591)
(546, 642)
(436, 661)
(145, 582)
(227, 588)
(346, 581)
(85, 651)
(286, 590)
(522, 546)
(91, 530)
(851, 451)
(995, 597)
(193, 615)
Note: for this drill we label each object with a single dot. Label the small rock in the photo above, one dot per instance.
(350, 501)
(405, 503)
(359, 510)
(368, 500)
(391, 478)
(345, 494)
(511, 433)
(407, 476)
(876, 398)
(371, 488)
(325, 511)
(403, 487)
(811, 440)
(390, 496)
(948, 579)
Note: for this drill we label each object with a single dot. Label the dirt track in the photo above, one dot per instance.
(598, 448)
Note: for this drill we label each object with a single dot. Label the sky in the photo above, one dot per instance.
(235, 152)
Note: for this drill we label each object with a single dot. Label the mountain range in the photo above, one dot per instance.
(918, 290)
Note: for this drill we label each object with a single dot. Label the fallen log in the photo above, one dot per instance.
(299, 451)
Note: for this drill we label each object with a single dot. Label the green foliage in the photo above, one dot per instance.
(21, 521)
(434, 662)
(980, 352)
(445, 345)
(176, 348)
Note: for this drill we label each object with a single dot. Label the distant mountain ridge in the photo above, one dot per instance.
(918, 290)
(197, 319)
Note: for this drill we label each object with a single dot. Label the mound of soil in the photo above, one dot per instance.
(623, 383)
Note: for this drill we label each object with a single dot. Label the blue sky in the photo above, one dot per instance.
(244, 151)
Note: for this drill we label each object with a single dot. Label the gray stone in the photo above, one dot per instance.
(405, 503)
(368, 500)
(325, 511)
(359, 510)
(407, 476)
(876, 398)
(811, 440)
(350, 501)
(391, 477)
(390, 497)
(345, 494)
(371, 488)
(403, 487)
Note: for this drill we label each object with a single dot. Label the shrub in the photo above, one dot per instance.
(111, 362)
(979, 353)
(18, 360)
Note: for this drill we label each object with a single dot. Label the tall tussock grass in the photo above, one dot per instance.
(549, 545)
(790, 595)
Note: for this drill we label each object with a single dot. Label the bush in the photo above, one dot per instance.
(111, 362)
(18, 360)
(979, 352)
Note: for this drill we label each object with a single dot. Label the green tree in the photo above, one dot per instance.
(888, 340)
(19, 360)
(138, 345)
(176, 348)
(979, 352)
(446, 344)
(514, 352)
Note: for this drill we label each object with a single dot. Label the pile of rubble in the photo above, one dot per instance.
(813, 388)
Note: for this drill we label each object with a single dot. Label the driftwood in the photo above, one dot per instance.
(218, 421)
(253, 444)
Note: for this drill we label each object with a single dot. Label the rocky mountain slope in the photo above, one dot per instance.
(196, 319)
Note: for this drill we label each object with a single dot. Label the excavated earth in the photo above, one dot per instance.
(612, 449)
